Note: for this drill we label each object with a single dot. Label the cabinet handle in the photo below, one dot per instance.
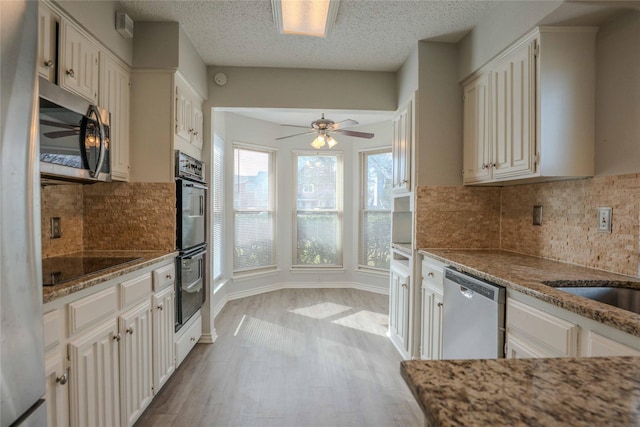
(48, 64)
(404, 181)
(160, 307)
(193, 339)
(440, 304)
(404, 285)
(62, 379)
(117, 337)
(484, 166)
(491, 165)
(168, 276)
(190, 130)
(70, 72)
(195, 134)
(130, 330)
(430, 274)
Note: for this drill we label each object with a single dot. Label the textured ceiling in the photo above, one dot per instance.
(372, 35)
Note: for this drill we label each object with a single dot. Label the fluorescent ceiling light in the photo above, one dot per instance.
(305, 17)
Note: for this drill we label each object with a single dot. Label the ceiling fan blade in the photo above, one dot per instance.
(297, 134)
(354, 133)
(58, 125)
(296, 126)
(61, 133)
(344, 123)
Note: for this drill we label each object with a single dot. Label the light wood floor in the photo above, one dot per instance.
(294, 357)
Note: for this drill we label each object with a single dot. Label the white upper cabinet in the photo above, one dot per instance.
(188, 114)
(114, 96)
(401, 150)
(47, 38)
(78, 70)
(516, 126)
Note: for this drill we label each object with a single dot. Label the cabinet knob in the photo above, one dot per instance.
(404, 285)
(193, 339)
(195, 134)
(48, 64)
(404, 181)
(130, 330)
(484, 166)
(160, 307)
(117, 337)
(62, 379)
(440, 304)
(70, 72)
(168, 276)
(191, 130)
(430, 274)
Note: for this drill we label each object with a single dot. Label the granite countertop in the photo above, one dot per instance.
(146, 258)
(527, 392)
(403, 247)
(526, 274)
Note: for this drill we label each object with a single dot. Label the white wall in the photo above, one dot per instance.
(191, 65)
(237, 128)
(99, 19)
(618, 96)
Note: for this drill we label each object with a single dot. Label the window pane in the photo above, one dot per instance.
(251, 180)
(217, 216)
(317, 238)
(253, 240)
(378, 186)
(316, 181)
(376, 239)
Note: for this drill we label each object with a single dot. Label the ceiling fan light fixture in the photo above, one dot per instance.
(331, 142)
(305, 17)
(319, 142)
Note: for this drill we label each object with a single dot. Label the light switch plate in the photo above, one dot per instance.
(604, 219)
(56, 228)
(537, 215)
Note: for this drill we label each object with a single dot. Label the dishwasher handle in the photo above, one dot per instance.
(470, 285)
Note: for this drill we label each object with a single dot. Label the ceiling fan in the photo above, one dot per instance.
(324, 128)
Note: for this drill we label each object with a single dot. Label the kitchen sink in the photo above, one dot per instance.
(611, 293)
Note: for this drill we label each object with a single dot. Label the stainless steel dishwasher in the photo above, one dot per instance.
(473, 318)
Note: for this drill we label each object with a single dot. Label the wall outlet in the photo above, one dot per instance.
(56, 228)
(604, 219)
(537, 215)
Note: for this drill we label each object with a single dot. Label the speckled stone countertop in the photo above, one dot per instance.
(528, 275)
(146, 258)
(527, 392)
(403, 247)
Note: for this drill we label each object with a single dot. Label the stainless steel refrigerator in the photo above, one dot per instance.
(22, 348)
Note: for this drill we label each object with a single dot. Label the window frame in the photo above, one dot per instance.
(339, 210)
(272, 204)
(362, 209)
(218, 196)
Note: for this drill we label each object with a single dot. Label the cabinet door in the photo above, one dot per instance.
(95, 386)
(78, 63)
(114, 96)
(56, 391)
(512, 113)
(135, 362)
(477, 150)
(399, 307)
(196, 134)
(601, 346)
(47, 40)
(520, 348)
(436, 334)
(401, 150)
(183, 113)
(431, 346)
(164, 360)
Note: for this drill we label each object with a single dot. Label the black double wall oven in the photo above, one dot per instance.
(191, 242)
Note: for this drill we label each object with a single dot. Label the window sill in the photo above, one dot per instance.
(249, 275)
(316, 270)
(372, 272)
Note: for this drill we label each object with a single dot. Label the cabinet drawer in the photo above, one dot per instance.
(135, 290)
(91, 309)
(433, 272)
(558, 335)
(51, 329)
(163, 277)
(189, 338)
(601, 346)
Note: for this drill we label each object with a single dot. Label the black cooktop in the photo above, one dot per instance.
(62, 269)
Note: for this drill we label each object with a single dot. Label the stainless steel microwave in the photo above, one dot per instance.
(74, 137)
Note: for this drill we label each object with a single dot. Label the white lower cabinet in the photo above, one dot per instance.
(164, 356)
(135, 362)
(120, 348)
(431, 346)
(399, 307)
(188, 337)
(601, 346)
(94, 375)
(56, 390)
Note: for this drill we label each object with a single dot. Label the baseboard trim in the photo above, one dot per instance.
(208, 338)
(230, 296)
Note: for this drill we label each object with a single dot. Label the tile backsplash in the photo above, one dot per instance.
(109, 216)
(502, 217)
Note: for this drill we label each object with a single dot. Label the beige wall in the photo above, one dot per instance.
(303, 88)
(618, 96)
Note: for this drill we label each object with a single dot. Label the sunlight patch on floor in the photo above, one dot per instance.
(269, 335)
(321, 310)
(366, 321)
